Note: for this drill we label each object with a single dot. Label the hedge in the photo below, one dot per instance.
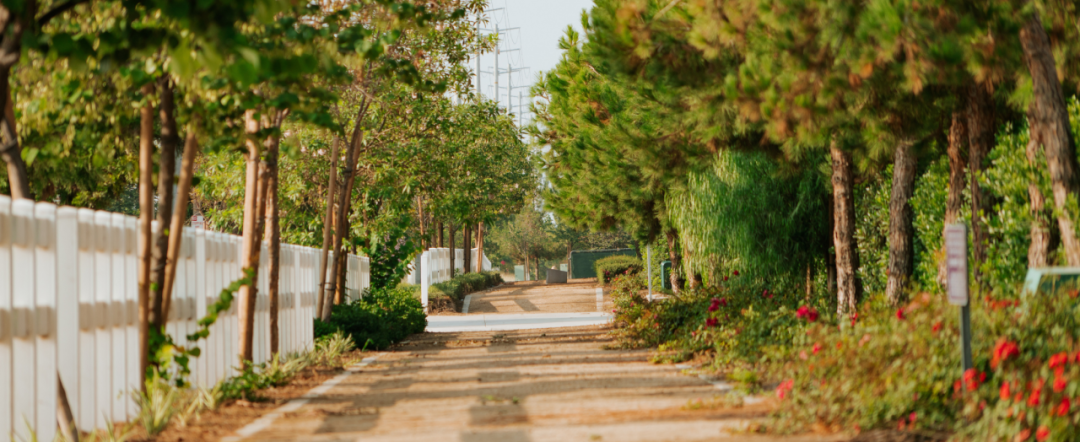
(608, 268)
(462, 285)
(379, 319)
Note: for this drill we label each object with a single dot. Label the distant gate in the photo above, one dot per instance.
(581, 261)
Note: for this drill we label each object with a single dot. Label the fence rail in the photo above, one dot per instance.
(68, 305)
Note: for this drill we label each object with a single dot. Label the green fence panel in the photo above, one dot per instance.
(581, 261)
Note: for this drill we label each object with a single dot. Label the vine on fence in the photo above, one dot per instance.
(168, 360)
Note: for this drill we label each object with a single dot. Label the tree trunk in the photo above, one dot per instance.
(343, 210)
(480, 247)
(677, 281)
(64, 417)
(166, 174)
(10, 50)
(328, 221)
(467, 231)
(1039, 250)
(901, 231)
(830, 256)
(176, 228)
(1050, 125)
(420, 217)
(980, 127)
(453, 250)
(273, 235)
(847, 253)
(342, 273)
(954, 203)
(442, 239)
(146, 237)
(252, 241)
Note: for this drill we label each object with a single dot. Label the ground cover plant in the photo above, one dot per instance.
(611, 266)
(164, 404)
(380, 318)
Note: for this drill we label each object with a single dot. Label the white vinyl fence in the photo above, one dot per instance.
(433, 267)
(68, 307)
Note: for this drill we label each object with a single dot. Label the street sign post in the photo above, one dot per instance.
(956, 256)
(648, 268)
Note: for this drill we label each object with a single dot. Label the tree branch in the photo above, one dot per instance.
(58, 9)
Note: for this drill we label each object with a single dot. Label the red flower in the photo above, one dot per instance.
(725, 278)
(784, 388)
(1005, 393)
(972, 379)
(714, 307)
(1059, 360)
(807, 313)
(1059, 383)
(817, 347)
(1036, 395)
(1042, 433)
(1004, 350)
(711, 322)
(911, 418)
(1063, 407)
(736, 273)
(900, 314)
(937, 326)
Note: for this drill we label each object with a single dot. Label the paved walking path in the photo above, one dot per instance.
(555, 385)
(525, 385)
(530, 297)
(503, 322)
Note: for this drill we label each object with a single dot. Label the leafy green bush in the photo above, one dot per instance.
(462, 285)
(390, 254)
(608, 268)
(378, 319)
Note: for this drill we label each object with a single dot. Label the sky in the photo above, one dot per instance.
(541, 23)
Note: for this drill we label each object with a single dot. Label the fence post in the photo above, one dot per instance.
(198, 245)
(45, 306)
(23, 300)
(425, 278)
(121, 382)
(6, 315)
(67, 303)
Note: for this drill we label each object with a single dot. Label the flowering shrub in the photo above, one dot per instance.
(902, 370)
(1033, 361)
(615, 265)
(877, 373)
(734, 323)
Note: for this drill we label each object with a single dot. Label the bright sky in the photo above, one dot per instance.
(541, 23)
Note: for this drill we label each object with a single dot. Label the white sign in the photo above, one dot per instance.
(198, 222)
(957, 263)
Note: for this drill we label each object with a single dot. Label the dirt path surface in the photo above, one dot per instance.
(533, 385)
(531, 297)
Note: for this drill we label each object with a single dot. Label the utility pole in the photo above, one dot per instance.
(510, 90)
(497, 71)
(479, 93)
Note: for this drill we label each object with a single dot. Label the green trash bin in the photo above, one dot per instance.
(519, 273)
(665, 275)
